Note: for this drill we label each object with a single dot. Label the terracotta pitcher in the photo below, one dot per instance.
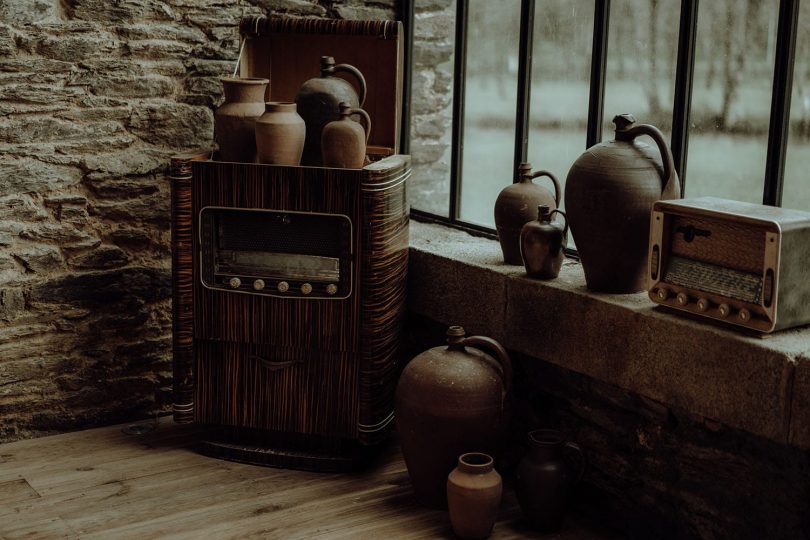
(609, 193)
(450, 401)
(517, 204)
(343, 141)
(318, 103)
(544, 478)
(542, 244)
(474, 490)
(280, 134)
(235, 119)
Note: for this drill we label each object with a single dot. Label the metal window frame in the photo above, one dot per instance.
(778, 129)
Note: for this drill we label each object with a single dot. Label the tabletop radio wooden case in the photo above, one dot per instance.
(740, 263)
(289, 282)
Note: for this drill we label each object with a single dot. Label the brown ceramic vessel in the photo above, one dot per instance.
(542, 244)
(343, 141)
(516, 205)
(609, 193)
(474, 490)
(544, 478)
(235, 119)
(450, 401)
(280, 134)
(318, 103)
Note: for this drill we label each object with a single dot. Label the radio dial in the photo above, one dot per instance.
(258, 284)
(744, 315)
(703, 304)
(724, 310)
(662, 294)
(283, 286)
(331, 289)
(235, 282)
(306, 288)
(683, 299)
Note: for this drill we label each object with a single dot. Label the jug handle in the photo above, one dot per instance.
(574, 448)
(365, 117)
(666, 157)
(555, 211)
(347, 68)
(480, 342)
(554, 180)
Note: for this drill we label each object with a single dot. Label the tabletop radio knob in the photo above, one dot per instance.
(662, 294)
(258, 284)
(283, 286)
(306, 288)
(703, 304)
(724, 310)
(683, 299)
(744, 315)
(331, 289)
(235, 282)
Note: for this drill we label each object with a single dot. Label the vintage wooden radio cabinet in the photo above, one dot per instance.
(289, 282)
(740, 263)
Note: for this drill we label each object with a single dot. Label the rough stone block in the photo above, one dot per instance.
(21, 208)
(122, 11)
(174, 125)
(800, 407)
(153, 209)
(73, 48)
(129, 162)
(109, 289)
(41, 259)
(103, 257)
(12, 302)
(28, 11)
(22, 175)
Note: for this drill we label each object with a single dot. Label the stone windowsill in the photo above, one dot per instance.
(761, 385)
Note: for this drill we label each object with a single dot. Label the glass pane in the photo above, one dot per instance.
(432, 104)
(731, 99)
(796, 192)
(641, 62)
(489, 108)
(563, 37)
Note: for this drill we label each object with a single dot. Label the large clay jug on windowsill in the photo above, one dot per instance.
(609, 193)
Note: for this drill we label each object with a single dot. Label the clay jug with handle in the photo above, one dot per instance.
(517, 204)
(343, 141)
(318, 102)
(542, 244)
(451, 400)
(609, 193)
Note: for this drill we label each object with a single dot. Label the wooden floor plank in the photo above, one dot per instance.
(102, 484)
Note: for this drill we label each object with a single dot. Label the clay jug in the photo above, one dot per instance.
(474, 490)
(280, 134)
(235, 119)
(318, 102)
(343, 141)
(542, 244)
(609, 194)
(516, 206)
(544, 478)
(449, 401)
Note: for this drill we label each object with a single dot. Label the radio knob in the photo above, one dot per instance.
(662, 294)
(331, 289)
(744, 315)
(724, 310)
(683, 299)
(703, 304)
(258, 284)
(235, 282)
(283, 286)
(306, 288)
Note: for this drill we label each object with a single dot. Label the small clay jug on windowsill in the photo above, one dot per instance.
(474, 491)
(542, 244)
(517, 204)
(235, 119)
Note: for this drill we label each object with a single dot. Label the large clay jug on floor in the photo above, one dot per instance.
(517, 204)
(609, 193)
(544, 478)
(318, 103)
(451, 400)
(280, 134)
(235, 119)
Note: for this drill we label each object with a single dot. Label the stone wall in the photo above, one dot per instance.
(95, 95)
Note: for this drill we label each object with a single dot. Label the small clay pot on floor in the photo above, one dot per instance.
(474, 490)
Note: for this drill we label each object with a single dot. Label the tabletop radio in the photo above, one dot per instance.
(741, 263)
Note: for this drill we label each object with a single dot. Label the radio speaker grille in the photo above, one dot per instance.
(715, 279)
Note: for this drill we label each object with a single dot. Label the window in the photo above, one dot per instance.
(498, 83)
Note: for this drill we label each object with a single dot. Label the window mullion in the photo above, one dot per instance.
(778, 128)
(601, 19)
(459, 78)
(684, 77)
(524, 82)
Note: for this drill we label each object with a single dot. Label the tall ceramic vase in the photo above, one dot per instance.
(544, 478)
(609, 193)
(449, 401)
(517, 204)
(235, 119)
(474, 491)
(280, 134)
(343, 141)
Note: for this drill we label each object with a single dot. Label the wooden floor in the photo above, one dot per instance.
(103, 483)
